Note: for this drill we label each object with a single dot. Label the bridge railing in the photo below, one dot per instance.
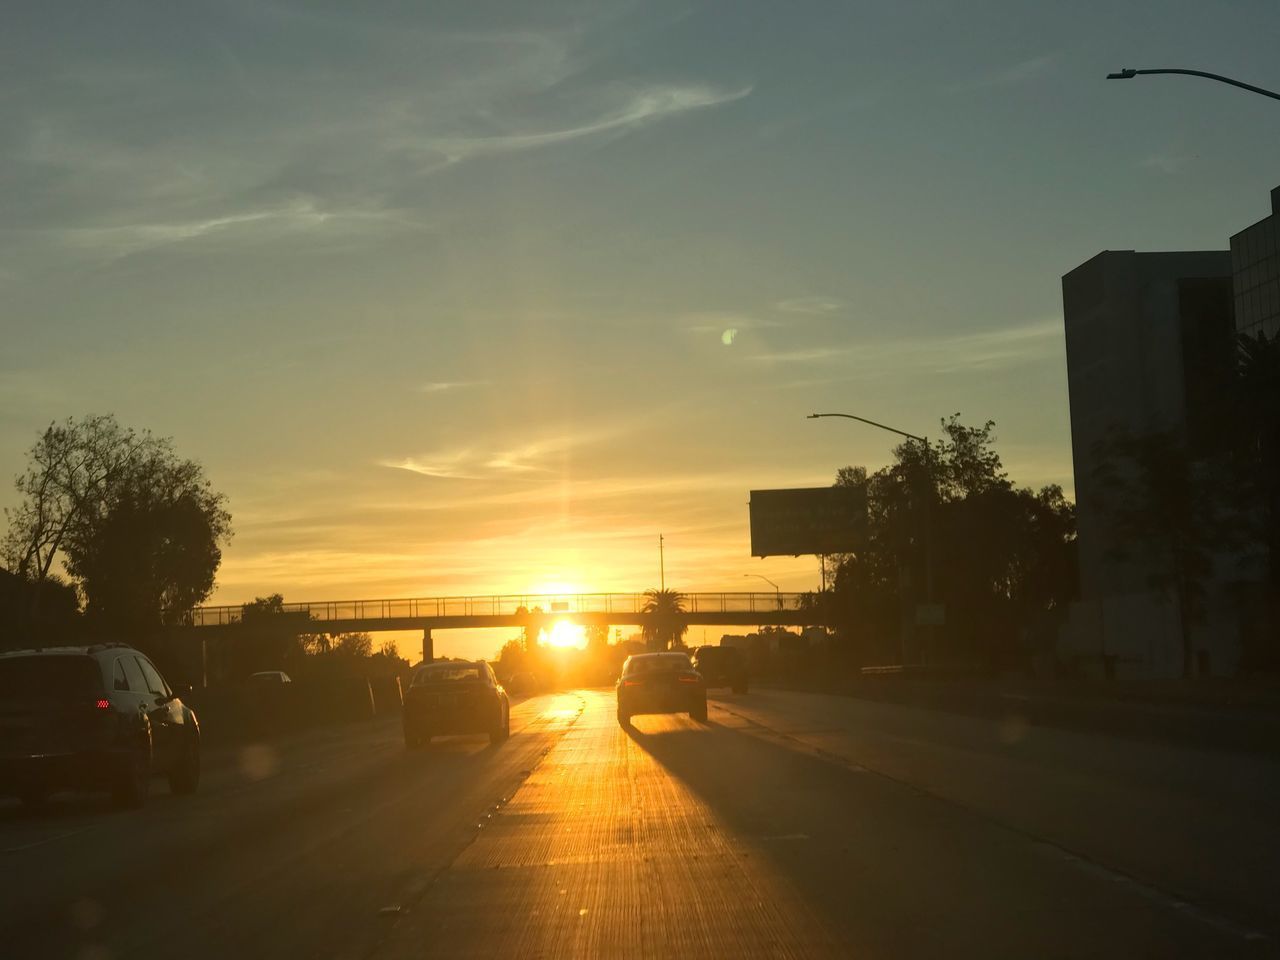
(505, 605)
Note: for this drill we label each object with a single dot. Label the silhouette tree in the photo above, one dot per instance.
(1003, 557)
(58, 618)
(665, 628)
(72, 470)
(149, 552)
(1173, 511)
(137, 529)
(1258, 409)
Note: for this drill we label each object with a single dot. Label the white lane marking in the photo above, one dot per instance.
(1149, 892)
(46, 840)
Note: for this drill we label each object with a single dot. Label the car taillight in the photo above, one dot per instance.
(102, 704)
(689, 678)
(631, 683)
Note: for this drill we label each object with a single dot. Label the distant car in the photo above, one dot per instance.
(722, 667)
(522, 684)
(98, 717)
(270, 678)
(455, 696)
(660, 683)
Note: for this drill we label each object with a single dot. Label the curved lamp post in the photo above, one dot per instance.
(1130, 74)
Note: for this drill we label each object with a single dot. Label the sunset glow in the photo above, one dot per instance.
(565, 634)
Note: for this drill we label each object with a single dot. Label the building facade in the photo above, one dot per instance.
(1255, 265)
(1150, 343)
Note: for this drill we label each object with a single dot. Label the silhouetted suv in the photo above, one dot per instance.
(99, 717)
(660, 683)
(455, 696)
(722, 667)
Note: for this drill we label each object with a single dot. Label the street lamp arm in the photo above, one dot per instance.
(1130, 74)
(850, 416)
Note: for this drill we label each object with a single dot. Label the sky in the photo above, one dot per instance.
(475, 298)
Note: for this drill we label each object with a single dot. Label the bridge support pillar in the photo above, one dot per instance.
(428, 646)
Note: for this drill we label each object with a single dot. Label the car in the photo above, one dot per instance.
(268, 678)
(522, 684)
(92, 717)
(722, 667)
(455, 696)
(660, 683)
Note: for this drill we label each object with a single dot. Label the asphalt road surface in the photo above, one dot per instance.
(790, 825)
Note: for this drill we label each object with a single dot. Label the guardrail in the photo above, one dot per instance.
(424, 608)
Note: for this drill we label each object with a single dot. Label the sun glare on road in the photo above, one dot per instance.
(566, 634)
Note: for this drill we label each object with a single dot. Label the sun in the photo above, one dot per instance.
(565, 634)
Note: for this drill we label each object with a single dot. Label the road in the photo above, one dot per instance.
(790, 825)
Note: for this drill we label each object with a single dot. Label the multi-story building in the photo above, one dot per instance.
(1255, 265)
(1150, 347)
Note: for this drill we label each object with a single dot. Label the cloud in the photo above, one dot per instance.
(443, 386)
(639, 108)
(979, 350)
(301, 217)
(443, 466)
(1016, 74)
(807, 355)
(531, 457)
(816, 306)
(717, 322)
(1169, 163)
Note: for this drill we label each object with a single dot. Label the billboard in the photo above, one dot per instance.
(804, 520)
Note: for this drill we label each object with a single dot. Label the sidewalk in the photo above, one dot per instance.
(1213, 715)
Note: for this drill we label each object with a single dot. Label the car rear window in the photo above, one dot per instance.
(446, 672)
(661, 663)
(48, 677)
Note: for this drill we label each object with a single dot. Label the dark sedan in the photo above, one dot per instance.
(660, 683)
(722, 667)
(92, 718)
(455, 696)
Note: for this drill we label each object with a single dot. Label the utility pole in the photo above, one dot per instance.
(662, 566)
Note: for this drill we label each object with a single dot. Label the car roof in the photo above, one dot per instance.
(60, 651)
(670, 654)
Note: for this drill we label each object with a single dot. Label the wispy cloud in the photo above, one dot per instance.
(540, 456)
(1012, 75)
(804, 355)
(1167, 162)
(718, 323)
(443, 386)
(816, 306)
(979, 350)
(302, 217)
(638, 108)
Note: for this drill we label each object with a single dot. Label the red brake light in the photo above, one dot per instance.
(631, 683)
(689, 678)
(102, 704)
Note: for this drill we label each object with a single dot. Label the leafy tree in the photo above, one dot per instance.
(597, 636)
(1178, 512)
(138, 529)
(353, 645)
(71, 472)
(665, 627)
(1258, 413)
(58, 611)
(152, 554)
(389, 649)
(1001, 557)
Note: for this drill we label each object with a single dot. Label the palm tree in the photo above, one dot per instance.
(664, 627)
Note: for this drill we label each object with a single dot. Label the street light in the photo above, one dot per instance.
(776, 589)
(1130, 74)
(928, 513)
